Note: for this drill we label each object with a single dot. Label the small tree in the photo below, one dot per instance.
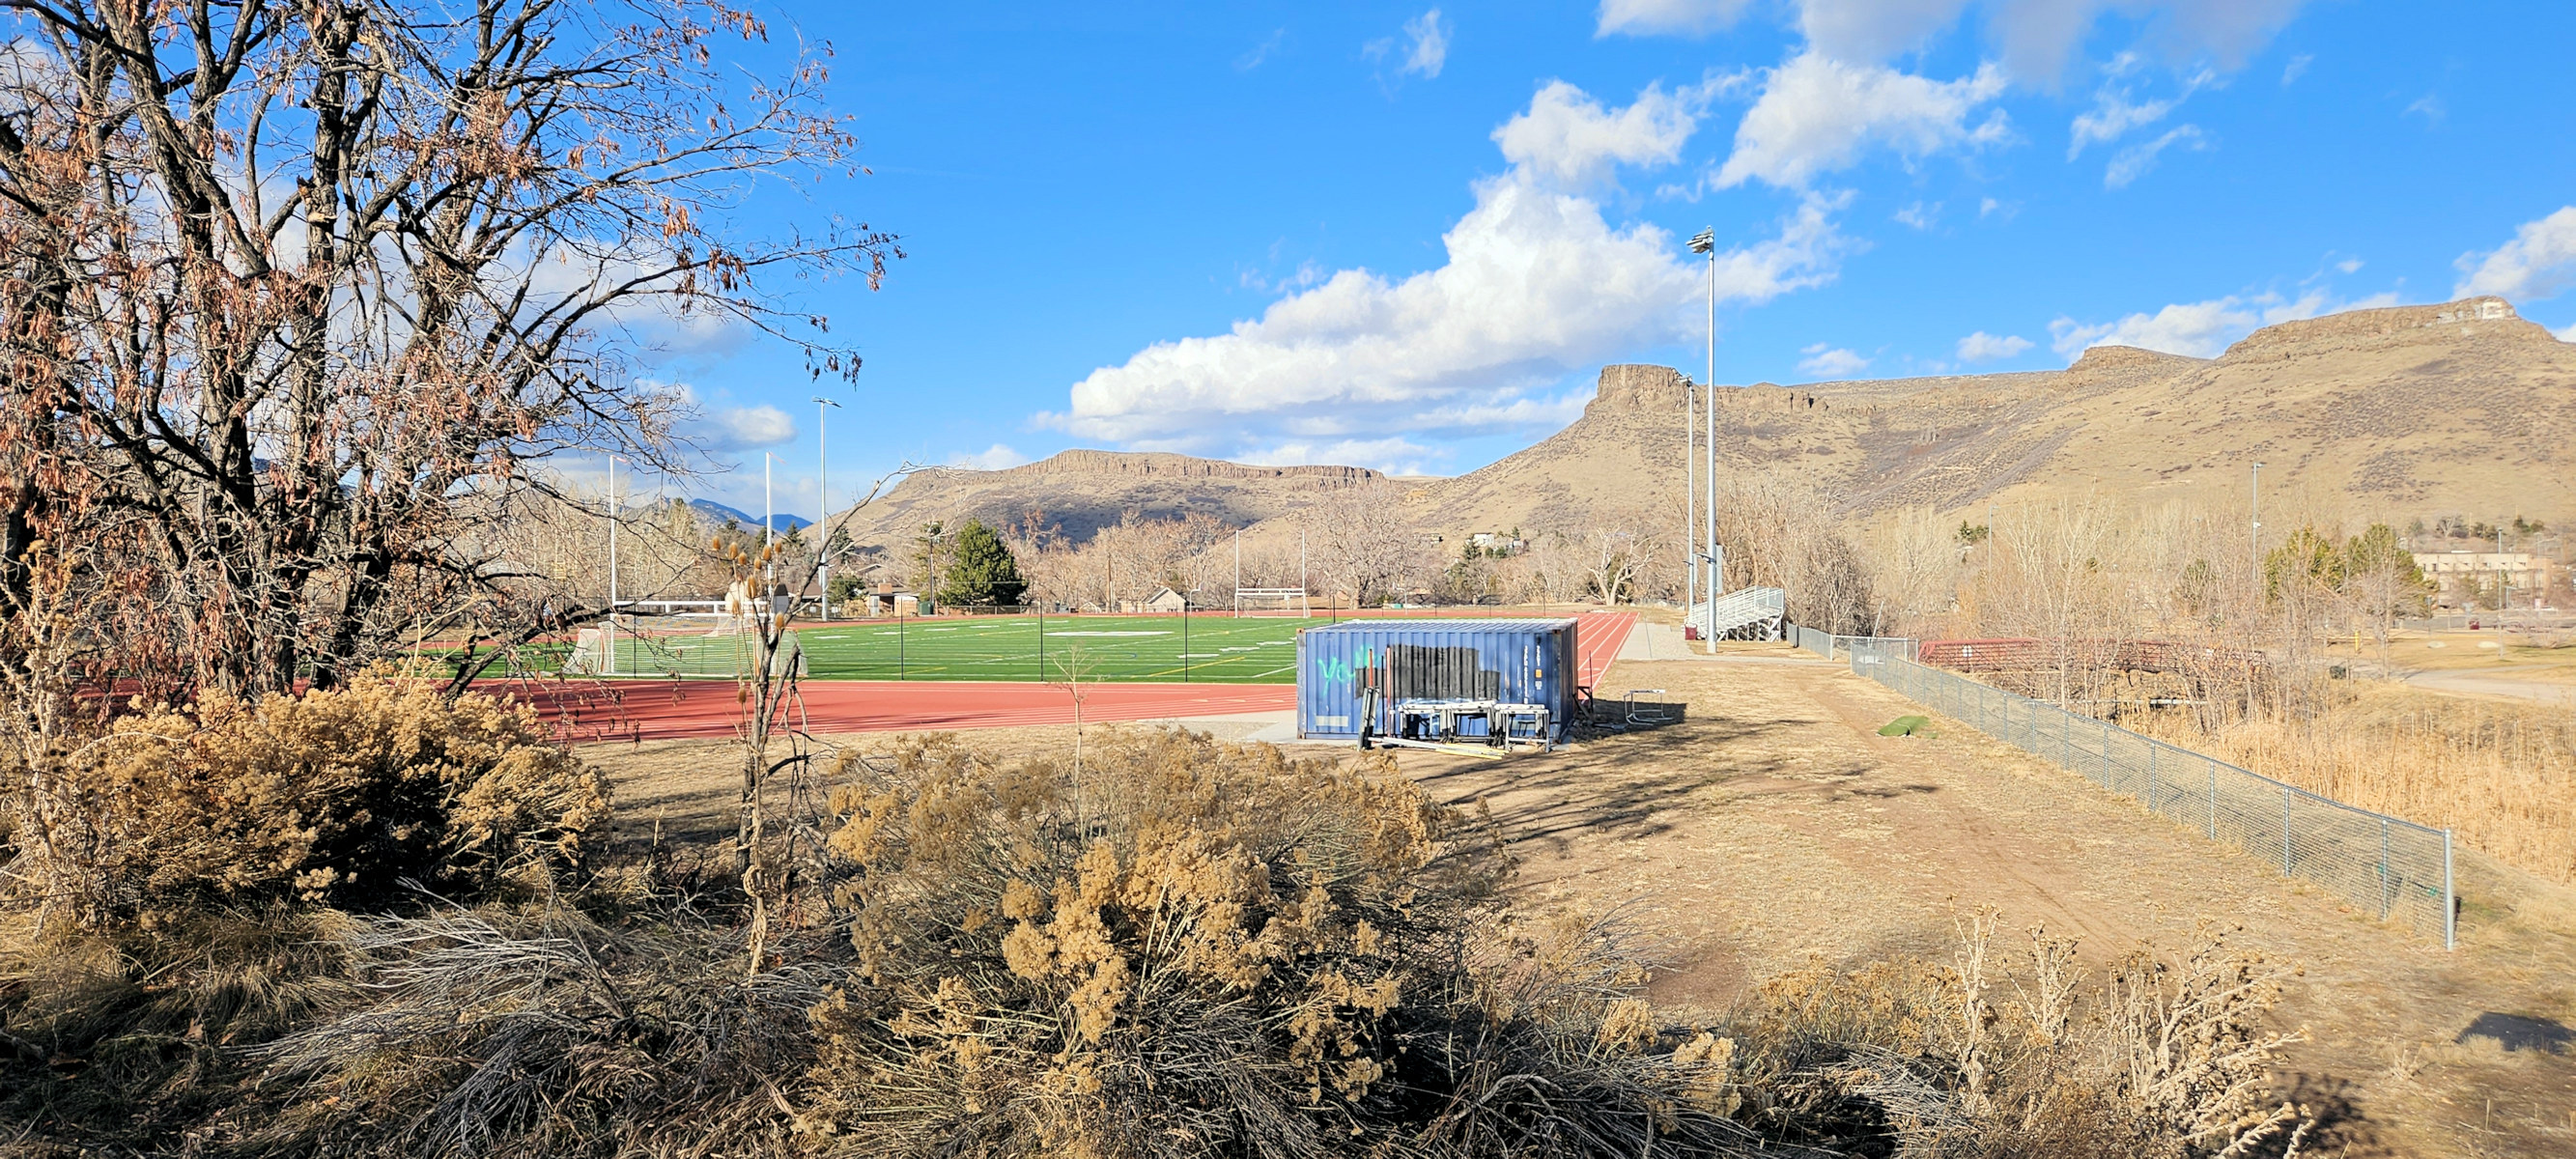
(981, 569)
(2382, 580)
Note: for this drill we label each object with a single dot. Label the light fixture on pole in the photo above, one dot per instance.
(1705, 242)
(823, 501)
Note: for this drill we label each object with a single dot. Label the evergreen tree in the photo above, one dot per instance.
(980, 569)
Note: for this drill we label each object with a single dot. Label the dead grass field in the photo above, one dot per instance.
(2447, 651)
(1773, 828)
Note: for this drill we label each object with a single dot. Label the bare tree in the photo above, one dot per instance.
(1362, 545)
(291, 278)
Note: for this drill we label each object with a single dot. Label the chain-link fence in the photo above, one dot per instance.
(2395, 868)
(1833, 647)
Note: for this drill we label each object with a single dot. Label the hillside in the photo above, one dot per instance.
(1082, 491)
(2396, 413)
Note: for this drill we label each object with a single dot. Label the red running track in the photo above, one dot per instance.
(667, 709)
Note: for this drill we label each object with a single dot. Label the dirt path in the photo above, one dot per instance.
(2547, 684)
(1774, 826)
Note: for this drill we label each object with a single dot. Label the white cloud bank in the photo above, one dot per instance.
(2540, 261)
(1817, 114)
(1676, 17)
(1537, 285)
(2203, 329)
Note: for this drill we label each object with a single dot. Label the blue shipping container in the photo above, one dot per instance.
(1511, 661)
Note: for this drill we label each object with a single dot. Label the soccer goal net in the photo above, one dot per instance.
(681, 645)
(1272, 602)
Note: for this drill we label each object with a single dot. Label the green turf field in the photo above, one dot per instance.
(1215, 648)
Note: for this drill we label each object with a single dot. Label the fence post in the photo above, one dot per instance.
(2213, 798)
(2450, 899)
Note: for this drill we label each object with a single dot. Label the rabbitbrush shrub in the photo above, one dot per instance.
(334, 798)
(1196, 949)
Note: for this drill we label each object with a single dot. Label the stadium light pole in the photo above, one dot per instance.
(1705, 242)
(2258, 520)
(612, 563)
(823, 500)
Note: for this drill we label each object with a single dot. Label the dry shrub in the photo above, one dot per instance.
(2012, 1055)
(335, 797)
(2502, 775)
(496, 1032)
(113, 1038)
(1190, 948)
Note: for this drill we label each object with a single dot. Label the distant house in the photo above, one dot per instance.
(2521, 571)
(886, 601)
(1163, 600)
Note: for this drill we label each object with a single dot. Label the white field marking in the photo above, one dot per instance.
(1279, 644)
(1122, 634)
(1200, 655)
(1242, 648)
(843, 636)
(939, 629)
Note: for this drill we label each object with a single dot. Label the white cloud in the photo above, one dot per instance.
(2298, 67)
(1984, 347)
(2540, 261)
(2138, 160)
(1683, 17)
(2199, 329)
(1867, 30)
(1260, 52)
(1396, 455)
(2568, 334)
(2204, 329)
(2430, 107)
(2349, 265)
(1917, 215)
(1567, 135)
(726, 428)
(1427, 44)
(2038, 37)
(751, 427)
(2114, 113)
(1817, 114)
(1825, 361)
(1537, 287)
(992, 458)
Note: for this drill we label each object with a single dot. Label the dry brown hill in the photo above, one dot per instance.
(2412, 411)
(2416, 410)
(1081, 491)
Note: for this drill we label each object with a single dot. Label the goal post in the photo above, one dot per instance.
(1272, 602)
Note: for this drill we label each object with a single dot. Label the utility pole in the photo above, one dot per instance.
(823, 501)
(1690, 499)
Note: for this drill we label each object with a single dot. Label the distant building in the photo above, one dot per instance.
(1163, 600)
(2521, 570)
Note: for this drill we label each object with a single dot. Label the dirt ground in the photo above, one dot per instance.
(1773, 827)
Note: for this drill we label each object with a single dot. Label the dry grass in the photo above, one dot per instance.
(1179, 949)
(2502, 775)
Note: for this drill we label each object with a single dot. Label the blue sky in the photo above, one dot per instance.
(1407, 237)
